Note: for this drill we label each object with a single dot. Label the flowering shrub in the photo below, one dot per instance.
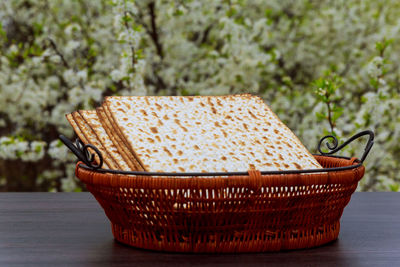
(323, 67)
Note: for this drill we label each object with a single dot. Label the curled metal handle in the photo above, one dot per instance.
(333, 147)
(82, 152)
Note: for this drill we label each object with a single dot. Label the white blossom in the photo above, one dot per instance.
(210, 47)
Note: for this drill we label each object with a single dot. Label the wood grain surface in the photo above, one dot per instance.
(71, 229)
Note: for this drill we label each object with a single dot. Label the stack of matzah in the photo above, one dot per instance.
(190, 134)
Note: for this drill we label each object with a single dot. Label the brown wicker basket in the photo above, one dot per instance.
(248, 212)
(226, 214)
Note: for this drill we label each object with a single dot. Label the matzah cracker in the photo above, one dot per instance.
(91, 118)
(115, 139)
(207, 134)
(77, 130)
(123, 145)
(91, 138)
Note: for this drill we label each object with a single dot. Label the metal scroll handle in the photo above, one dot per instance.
(333, 147)
(82, 152)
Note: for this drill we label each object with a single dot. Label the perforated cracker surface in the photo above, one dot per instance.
(207, 134)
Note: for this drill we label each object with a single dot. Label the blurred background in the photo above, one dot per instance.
(323, 66)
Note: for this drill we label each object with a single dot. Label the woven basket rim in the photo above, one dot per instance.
(355, 163)
(253, 178)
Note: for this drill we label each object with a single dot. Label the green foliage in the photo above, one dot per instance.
(326, 92)
(325, 67)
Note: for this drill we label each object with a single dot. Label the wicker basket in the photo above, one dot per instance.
(252, 212)
(225, 214)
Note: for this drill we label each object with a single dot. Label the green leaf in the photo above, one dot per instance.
(336, 115)
(231, 12)
(320, 116)
(38, 149)
(394, 187)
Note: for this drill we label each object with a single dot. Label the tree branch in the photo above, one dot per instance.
(154, 32)
(331, 124)
(54, 46)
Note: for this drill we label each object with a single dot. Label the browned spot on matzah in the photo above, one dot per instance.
(168, 152)
(151, 140)
(297, 166)
(251, 114)
(223, 158)
(217, 124)
(196, 147)
(154, 130)
(179, 152)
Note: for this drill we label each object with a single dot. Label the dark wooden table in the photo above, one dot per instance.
(53, 229)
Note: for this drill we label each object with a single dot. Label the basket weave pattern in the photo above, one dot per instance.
(250, 213)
